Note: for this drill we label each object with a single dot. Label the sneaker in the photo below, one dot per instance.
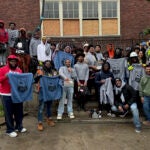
(71, 116)
(100, 114)
(111, 115)
(138, 129)
(50, 122)
(124, 114)
(23, 130)
(12, 134)
(40, 127)
(147, 123)
(59, 116)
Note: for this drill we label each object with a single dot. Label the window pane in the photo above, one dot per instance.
(70, 9)
(51, 9)
(109, 9)
(90, 10)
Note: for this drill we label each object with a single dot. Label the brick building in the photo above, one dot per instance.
(123, 19)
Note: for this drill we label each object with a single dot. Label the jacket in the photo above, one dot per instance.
(128, 93)
(5, 88)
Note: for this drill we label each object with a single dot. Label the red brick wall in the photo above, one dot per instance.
(24, 12)
(135, 16)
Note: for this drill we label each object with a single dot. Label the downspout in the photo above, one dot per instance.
(41, 16)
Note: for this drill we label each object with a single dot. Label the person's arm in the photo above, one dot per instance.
(61, 73)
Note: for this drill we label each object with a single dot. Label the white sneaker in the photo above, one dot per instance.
(71, 116)
(59, 116)
(111, 115)
(23, 130)
(12, 134)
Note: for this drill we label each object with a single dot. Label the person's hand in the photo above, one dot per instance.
(67, 79)
(126, 106)
(102, 81)
(120, 109)
(85, 83)
(142, 99)
(79, 84)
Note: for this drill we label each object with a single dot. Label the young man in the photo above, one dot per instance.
(125, 99)
(13, 111)
(68, 74)
(145, 94)
(47, 70)
(13, 33)
(82, 71)
(43, 51)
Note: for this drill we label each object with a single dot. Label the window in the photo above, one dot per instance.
(90, 10)
(70, 9)
(109, 9)
(51, 9)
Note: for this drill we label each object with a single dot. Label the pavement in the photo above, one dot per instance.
(81, 133)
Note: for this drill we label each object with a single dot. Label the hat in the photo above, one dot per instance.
(85, 45)
(12, 57)
(143, 44)
(133, 54)
(43, 38)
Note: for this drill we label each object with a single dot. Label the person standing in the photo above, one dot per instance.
(68, 74)
(144, 91)
(82, 71)
(43, 51)
(13, 33)
(47, 70)
(3, 43)
(13, 111)
(22, 50)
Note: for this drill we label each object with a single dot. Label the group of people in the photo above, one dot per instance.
(120, 78)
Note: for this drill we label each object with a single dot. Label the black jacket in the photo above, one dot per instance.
(129, 96)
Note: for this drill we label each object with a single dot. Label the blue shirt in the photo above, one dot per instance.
(21, 86)
(50, 88)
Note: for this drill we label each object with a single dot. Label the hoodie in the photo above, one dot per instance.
(43, 52)
(5, 88)
(3, 34)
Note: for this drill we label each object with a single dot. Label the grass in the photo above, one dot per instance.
(1, 111)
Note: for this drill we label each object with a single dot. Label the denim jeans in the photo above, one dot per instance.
(67, 93)
(48, 105)
(146, 107)
(135, 113)
(13, 114)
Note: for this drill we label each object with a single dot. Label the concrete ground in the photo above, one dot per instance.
(82, 133)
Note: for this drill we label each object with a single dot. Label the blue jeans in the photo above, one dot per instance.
(146, 107)
(48, 105)
(67, 93)
(13, 114)
(135, 113)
